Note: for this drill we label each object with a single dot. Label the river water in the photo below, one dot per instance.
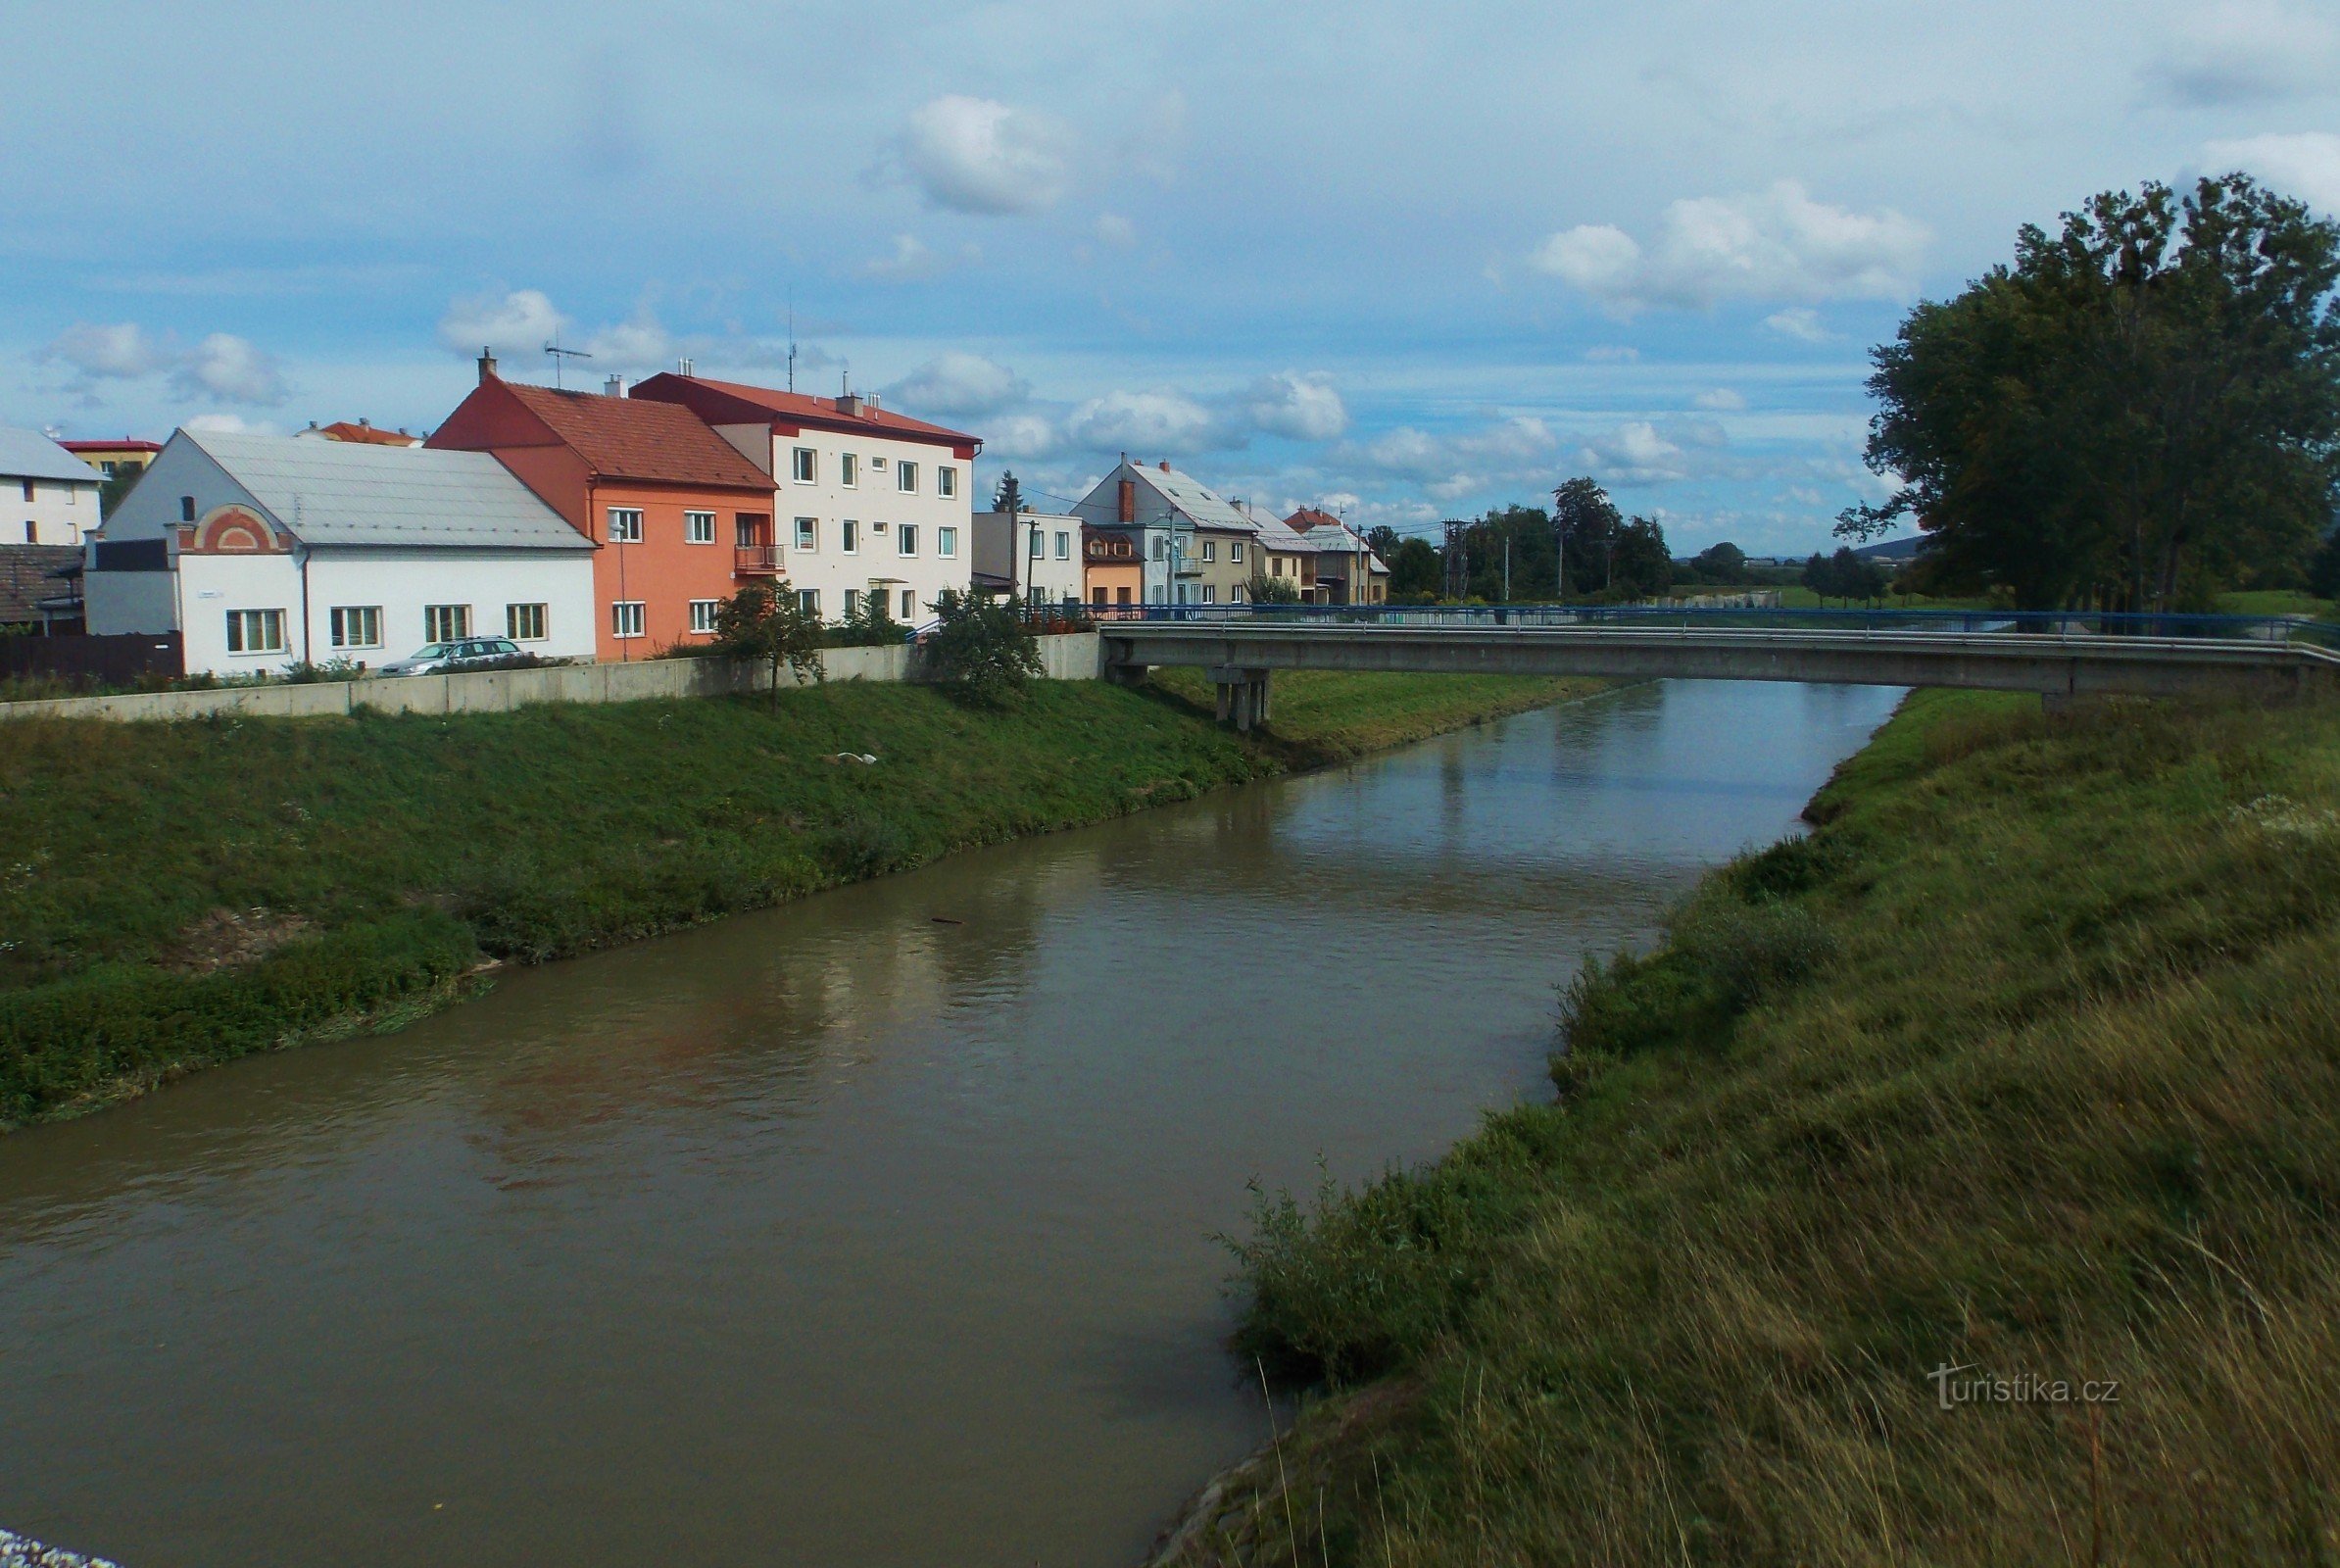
(873, 1230)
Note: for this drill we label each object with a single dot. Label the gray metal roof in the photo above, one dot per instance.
(30, 455)
(1190, 495)
(342, 493)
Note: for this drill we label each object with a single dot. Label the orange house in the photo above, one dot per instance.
(682, 520)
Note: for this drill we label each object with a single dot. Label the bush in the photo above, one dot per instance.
(983, 646)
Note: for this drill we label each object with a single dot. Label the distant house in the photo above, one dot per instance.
(1284, 555)
(110, 458)
(869, 501)
(1035, 556)
(265, 551)
(362, 432)
(1196, 548)
(1347, 571)
(1113, 567)
(47, 495)
(683, 519)
(40, 589)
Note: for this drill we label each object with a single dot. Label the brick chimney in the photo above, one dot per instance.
(1129, 501)
(1165, 465)
(487, 367)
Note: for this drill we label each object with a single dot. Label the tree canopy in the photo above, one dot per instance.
(2144, 407)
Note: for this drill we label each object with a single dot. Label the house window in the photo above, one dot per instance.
(849, 470)
(1209, 593)
(906, 477)
(255, 631)
(28, 489)
(525, 623)
(698, 528)
(849, 536)
(186, 508)
(906, 538)
(809, 601)
(910, 604)
(946, 543)
(703, 614)
(804, 468)
(807, 533)
(1063, 545)
(625, 525)
(446, 624)
(1098, 595)
(1211, 549)
(1235, 551)
(1161, 548)
(1275, 566)
(853, 603)
(1039, 544)
(946, 480)
(1235, 594)
(626, 619)
(357, 625)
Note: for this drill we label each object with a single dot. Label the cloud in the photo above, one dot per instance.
(1777, 244)
(1301, 407)
(2249, 51)
(977, 155)
(1115, 231)
(1636, 453)
(957, 382)
(522, 321)
(2306, 164)
(1022, 435)
(1800, 322)
(117, 351)
(641, 344)
(1512, 451)
(231, 424)
(1164, 423)
(232, 368)
(915, 261)
(1721, 399)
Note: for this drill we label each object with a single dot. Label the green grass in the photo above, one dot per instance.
(176, 895)
(2275, 601)
(2028, 1060)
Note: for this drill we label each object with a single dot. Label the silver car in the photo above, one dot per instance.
(434, 658)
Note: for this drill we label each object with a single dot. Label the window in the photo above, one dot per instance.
(625, 525)
(804, 469)
(809, 601)
(525, 623)
(255, 631)
(28, 489)
(1211, 549)
(626, 619)
(946, 543)
(1161, 548)
(357, 625)
(698, 528)
(906, 477)
(1039, 544)
(909, 605)
(848, 472)
(1063, 545)
(703, 613)
(186, 508)
(1097, 594)
(445, 623)
(1209, 593)
(849, 536)
(906, 538)
(1236, 594)
(1235, 551)
(946, 480)
(853, 603)
(1275, 566)
(807, 533)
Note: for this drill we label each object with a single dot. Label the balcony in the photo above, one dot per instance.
(755, 561)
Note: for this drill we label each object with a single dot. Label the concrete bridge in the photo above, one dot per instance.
(2248, 658)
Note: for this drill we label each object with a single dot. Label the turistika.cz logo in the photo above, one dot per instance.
(1951, 1389)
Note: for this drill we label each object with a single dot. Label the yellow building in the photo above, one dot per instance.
(110, 457)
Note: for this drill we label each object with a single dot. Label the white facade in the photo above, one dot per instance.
(1043, 560)
(195, 549)
(47, 495)
(855, 526)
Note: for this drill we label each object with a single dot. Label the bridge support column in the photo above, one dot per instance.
(1242, 694)
(1125, 674)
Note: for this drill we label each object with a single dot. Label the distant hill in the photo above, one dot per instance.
(1894, 548)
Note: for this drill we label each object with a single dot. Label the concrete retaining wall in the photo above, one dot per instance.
(1072, 657)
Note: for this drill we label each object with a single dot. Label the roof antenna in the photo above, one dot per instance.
(559, 353)
(791, 340)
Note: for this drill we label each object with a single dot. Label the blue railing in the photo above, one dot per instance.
(1527, 616)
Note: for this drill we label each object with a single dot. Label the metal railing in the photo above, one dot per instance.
(755, 561)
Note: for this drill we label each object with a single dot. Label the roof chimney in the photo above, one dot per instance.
(685, 367)
(1129, 501)
(487, 367)
(848, 405)
(1165, 465)
(614, 386)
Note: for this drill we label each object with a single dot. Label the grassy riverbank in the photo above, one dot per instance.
(176, 894)
(2027, 1063)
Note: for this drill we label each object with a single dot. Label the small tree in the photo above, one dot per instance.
(1275, 590)
(983, 645)
(871, 624)
(768, 622)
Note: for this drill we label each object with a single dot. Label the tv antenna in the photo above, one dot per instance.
(791, 340)
(560, 354)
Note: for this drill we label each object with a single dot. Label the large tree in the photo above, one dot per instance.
(1587, 522)
(2144, 407)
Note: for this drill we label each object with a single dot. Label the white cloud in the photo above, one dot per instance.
(1721, 399)
(1512, 451)
(1115, 231)
(231, 424)
(2248, 51)
(1302, 408)
(232, 368)
(977, 155)
(957, 382)
(1022, 435)
(641, 344)
(1161, 423)
(1800, 322)
(913, 261)
(522, 321)
(1636, 453)
(116, 351)
(2306, 165)
(1775, 244)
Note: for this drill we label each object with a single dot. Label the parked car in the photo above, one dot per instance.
(435, 658)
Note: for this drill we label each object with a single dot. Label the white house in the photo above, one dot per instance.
(47, 495)
(1198, 548)
(263, 551)
(1037, 558)
(866, 501)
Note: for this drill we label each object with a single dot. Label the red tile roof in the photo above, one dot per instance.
(365, 434)
(622, 438)
(1308, 518)
(125, 444)
(729, 401)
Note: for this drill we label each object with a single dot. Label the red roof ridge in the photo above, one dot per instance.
(622, 438)
(807, 406)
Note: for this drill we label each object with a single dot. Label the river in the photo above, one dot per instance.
(873, 1230)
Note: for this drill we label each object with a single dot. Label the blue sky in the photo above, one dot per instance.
(1404, 262)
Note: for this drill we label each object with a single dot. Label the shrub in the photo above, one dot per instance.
(983, 646)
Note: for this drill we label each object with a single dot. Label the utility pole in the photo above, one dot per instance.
(1560, 545)
(1507, 566)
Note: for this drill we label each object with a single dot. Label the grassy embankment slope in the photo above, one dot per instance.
(2027, 1063)
(176, 894)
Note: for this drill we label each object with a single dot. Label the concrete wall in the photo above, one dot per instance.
(1073, 657)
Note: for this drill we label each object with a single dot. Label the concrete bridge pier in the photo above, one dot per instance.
(1243, 694)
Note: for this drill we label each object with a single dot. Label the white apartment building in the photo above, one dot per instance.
(267, 551)
(47, 495)
(865, 501)
(1038, 558)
